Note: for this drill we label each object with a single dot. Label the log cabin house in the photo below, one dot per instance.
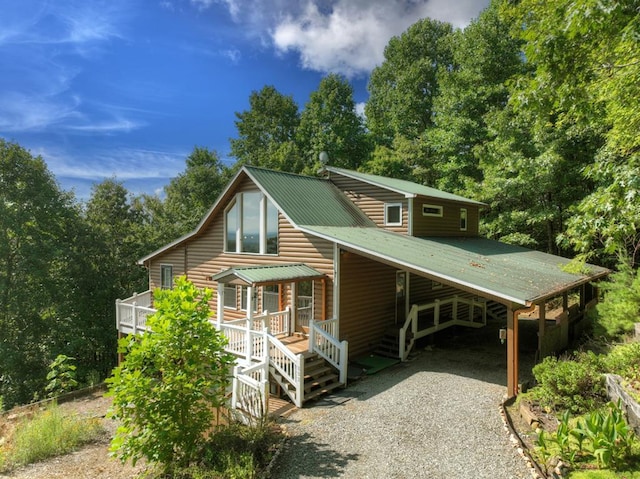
(311, 272)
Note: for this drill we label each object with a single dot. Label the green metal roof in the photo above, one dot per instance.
(306, 200)
(402, 186)
(267, 273)
(509, 272)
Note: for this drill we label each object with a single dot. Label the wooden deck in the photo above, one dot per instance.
(296, 343)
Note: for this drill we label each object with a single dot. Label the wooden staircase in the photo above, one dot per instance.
(389, 345)
(319, 378)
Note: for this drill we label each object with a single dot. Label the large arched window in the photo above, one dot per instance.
(251, 225)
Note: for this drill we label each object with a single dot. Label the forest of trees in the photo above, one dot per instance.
(534, 109)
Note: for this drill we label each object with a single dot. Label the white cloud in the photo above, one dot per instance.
(342, 36)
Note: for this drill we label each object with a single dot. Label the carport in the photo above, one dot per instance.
(524, 281)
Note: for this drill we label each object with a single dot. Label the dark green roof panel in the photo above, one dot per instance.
(267, 273)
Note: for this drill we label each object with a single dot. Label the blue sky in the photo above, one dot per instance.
(127, 88)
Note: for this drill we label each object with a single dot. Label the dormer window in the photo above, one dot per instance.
(251, 225)
(393, 214)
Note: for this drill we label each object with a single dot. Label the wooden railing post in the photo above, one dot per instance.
(344, 366)
(134, 318)
(300, 385)
(118, 314)
(249, 339)
(312, 344)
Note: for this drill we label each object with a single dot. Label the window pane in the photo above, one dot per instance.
(463, 219)
(232, 228)
(243, 300)
(272, 229)
(251, 222)
(393, 214)
(230, 297)
(166, 277)
(270, 298)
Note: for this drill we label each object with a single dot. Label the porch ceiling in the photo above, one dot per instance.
(491, 268)
(264, 274)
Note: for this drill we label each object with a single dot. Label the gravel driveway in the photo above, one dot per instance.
(436, 416)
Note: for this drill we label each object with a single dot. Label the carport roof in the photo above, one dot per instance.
(261, 274)
(492, 268)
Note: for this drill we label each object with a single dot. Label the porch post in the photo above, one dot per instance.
(294, 307)
(542, 317)
(220, 306)
(512, 353)
(250, 303)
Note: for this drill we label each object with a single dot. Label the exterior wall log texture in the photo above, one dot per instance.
(367, 308)
(206, 258)
(446, 225)
(371, 200)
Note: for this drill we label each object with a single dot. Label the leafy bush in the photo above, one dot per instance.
(574, 385)
(621, 306)
(167, 388)
(61, 376)
(624, 360)
(601, 436)
(50, 433)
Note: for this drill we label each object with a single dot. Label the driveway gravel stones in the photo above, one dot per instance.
(436, 416)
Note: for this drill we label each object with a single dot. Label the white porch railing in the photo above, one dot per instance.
(412, 330)
(132, 313)
(289, 369)
(322, 340)
(254, 344)
(250, 392)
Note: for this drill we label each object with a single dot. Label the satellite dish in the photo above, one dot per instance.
(323, 157)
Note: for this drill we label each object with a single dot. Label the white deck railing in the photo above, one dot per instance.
(322, 340)
(289, 368)
(412, 330)
(254, 344)
(132, 313)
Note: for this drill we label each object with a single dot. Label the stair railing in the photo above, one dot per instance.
(328, 347)
(411, 322)
(250, 393)
(289, 368)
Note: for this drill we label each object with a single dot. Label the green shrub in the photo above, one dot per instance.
(573, 385)
(602, 436)
(50, 433)
(61, 376)
(621, 306)
(167, 388)
(623, 359)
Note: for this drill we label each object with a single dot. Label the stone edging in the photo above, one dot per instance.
(518, 444)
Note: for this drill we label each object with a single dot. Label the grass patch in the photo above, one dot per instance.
(604, 475)
(48, 433)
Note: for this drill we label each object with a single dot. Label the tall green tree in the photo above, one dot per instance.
(402, 89)
(586, 61)
(267, 132)
(190, 194)
(330, 123)
(38, 226)
(485, 56)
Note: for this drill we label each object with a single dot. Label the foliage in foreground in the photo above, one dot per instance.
(166, 390)
(236, 451)
(620, 310)
(602, 437)
(576, 384)
(49, 433)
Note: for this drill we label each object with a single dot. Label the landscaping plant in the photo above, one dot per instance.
(61, 376)
(171, 380)
(602, 436)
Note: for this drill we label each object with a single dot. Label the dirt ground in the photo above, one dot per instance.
(92, 461)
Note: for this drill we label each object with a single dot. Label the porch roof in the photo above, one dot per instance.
(490, 268)
(263, 274)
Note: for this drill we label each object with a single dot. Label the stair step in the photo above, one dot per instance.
(319, 392)
(317, 371)
(320, 382)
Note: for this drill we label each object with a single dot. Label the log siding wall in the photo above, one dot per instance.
(367, 307)
(446, 225)
(371, 200)
(205, 258)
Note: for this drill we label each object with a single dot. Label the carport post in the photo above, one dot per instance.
(512, 353)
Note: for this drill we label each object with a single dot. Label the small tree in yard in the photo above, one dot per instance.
(166, 389)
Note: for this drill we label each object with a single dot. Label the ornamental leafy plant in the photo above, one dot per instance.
(167, 388)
